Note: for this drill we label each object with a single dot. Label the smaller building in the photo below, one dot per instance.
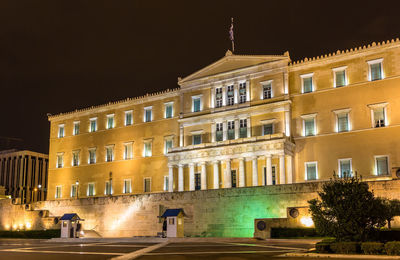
(174, 219)
(70, 225)
(24, 175)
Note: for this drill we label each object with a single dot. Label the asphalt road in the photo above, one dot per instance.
(248, 249)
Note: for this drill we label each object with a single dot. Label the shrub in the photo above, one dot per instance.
(372, 248)
(323, 247)
(293, 232)
(346, 247)
(389, 235)
(392, 248)
(43, 234)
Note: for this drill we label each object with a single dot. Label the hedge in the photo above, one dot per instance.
(392, 248)
(293, 232)
(346, 247)
(372, 248)
(38, 234)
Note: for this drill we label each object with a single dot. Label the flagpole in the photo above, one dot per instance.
(231, 36)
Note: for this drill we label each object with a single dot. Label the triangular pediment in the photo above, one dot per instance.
(231, 63)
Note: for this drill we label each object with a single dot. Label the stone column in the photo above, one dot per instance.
(216, 175)
(289, 165)
(181, 136)
(203, 176)
(191, 176)
(248, 127)
(212, 103)
(282, 177)
(287, 123)
(241, 173)
(170, 178)
(268, 165)
(224, 131)
(224, 96)
(235, 91)
(247, 90)
(213, 129)
(180, 178)
(255, 171)
(237, 128)
(228, 176)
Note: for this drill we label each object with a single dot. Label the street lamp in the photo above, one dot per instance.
(77, 185)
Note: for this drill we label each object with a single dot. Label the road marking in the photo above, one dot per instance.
(61, 252)
(218, 252)
(261, 245)
(140, 252)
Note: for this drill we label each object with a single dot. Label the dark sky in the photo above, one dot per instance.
(56, 56)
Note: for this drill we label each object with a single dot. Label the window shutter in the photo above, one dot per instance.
(382, 166)
(311, 171)
(376, 71)
(343, 122)
(307, 85)
(309, 127)
(340, 78)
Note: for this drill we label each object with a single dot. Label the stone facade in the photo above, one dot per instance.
(222, 212)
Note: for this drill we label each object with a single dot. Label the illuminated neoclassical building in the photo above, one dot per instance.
(245, 120)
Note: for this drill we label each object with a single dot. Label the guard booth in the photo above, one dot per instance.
(70, 225)
(174, 219)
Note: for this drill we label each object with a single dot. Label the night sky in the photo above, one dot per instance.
(57, 56)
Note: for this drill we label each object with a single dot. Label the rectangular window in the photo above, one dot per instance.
(128, 151)
(196, 104)
(340, 77)
(307, 83)
(375, 69)
(234, 178)
(61, 131)
(167, 145)
(243, 128)
(147, 149)
(92, 156)
(128, 117)
(108, 189)
(267, 91)
(58, 192)
(311, 171)
(110, 121)
(230, 96)
(169, 110)
(76, 128)
(109, 153)
(309, 126)
(218, 97)
(219, 134)
(60, 160)
(345, 168)
(196, 139)
(73, 190)
(242, 92)
(148, 114)
(343, 122)
(90, 190)
(166, 180)
(268, 129)
(197, 181)
(127, 186)
(382, 165)
(379, 117)
(75, 158)
(93, 125)
(231, 130)
(147, 185)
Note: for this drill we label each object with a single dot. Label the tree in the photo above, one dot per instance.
(392, 209)
(347, 210)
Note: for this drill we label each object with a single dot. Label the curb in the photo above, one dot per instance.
(316, 255)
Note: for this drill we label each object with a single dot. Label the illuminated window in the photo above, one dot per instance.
(242, 92)
(148, 115)
(90, 190)
(171, 221)
(230, 95)
(345, 168)
(242, 128)
(147, 185)
(309, 125)
(231, 130)
(311, 171)
(196, 103)
(76, 128)
(93, 125)
(60, 160)
(61, 131)
(339, 77)
(267, 90)
(307, 83)
(218, 97)
(128, 151)
(166, 183)
(219, 134)
(147, 148)
(109, 153)
(127, 186)
(343, 122)
(75, 158)
(110, 121)
(169, 110)
(375, 69)
(196, 139)
(58, 192)
(92, 156)
(168, 142)
(268, 129)
(128, 118)
(197, 181)
(382, 165)
(108, 189)
(73, 190)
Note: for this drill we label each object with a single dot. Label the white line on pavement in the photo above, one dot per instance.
(261, 245)
(62, 252)
(140, 252)
(218, 252)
